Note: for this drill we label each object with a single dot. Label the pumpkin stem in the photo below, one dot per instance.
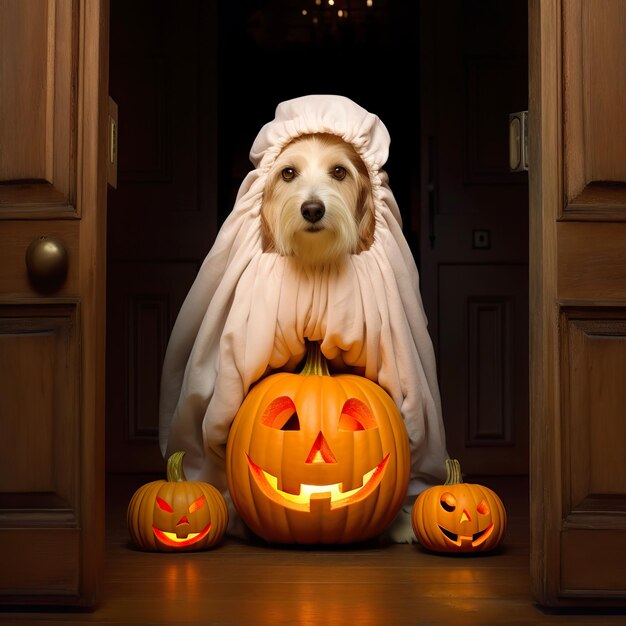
(453, 470)
(175, 472)
(315, 364)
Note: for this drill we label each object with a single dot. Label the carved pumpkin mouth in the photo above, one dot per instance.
(476, 539)
(331, 494)
(172, 539)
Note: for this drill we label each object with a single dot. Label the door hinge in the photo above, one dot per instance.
(518, 141)
(112, 151)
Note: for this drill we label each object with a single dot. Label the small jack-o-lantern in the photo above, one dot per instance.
(458, 516)
(177, 515)
(314, 458)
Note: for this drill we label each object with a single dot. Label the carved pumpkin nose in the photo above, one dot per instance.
(312, 210)
(182, 520)
(321, 452)
(465, 517)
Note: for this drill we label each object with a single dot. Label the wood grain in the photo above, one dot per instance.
(592, 263)
(577, 276)
(53, 127)
(544, 188)
(594, 116)
(93, 113)
(39, 402)
(594, 368)
(38, 108)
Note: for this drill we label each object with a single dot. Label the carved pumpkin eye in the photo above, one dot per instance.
(448, 502)
(281, 414)
(197, 504)
(163, 505)
(356, 415)
(483, 508)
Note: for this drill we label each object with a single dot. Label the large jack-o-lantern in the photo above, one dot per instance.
(177, 515)
(314, 458)
(458, 516)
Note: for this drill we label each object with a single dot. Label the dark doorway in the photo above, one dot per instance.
(281, 49)
(196, 81)
(473, 243)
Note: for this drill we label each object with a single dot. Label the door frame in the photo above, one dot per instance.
(93, 159)
(545, 198)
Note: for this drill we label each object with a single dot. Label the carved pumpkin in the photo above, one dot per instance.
(457, 516)
(314, 458)
(176, 515)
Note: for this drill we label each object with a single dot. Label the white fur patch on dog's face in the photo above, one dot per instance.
(317, 203)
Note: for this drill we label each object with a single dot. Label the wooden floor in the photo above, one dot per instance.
(376, 584)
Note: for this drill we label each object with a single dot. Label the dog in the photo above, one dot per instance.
(317, 205)
(308, 202)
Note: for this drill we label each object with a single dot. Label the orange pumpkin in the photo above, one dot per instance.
(314, 458)
(457, 516)
(176, 515)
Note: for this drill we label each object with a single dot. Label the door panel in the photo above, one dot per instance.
(594, 126)
(40, 410)
(39, 404)
(578, 301)
(39, 103)
(483, 307)
(142, 298)
(592, 263)
(53, 116)
(474, 225)
(594, 351)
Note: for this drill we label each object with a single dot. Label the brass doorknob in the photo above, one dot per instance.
(47, 263)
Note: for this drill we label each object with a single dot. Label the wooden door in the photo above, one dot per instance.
(577, 138)
(474, 227)
(53, 129)
(162, 218)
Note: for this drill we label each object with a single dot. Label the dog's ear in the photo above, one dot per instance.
(267, 238)
(367, 221)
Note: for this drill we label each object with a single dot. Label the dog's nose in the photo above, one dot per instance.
(312, 211)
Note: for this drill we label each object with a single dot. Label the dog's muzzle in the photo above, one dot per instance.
(312, 210)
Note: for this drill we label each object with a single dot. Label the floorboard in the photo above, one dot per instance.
(375, 584)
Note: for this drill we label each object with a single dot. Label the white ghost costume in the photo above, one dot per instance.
(250, 312)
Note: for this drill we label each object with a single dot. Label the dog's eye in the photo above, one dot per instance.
(339, 172)
(288, 173)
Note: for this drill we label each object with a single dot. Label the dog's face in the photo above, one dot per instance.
(317, 204)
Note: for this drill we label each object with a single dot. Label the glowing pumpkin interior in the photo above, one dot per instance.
(183, 535)
(463, 521)
(355, 416)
